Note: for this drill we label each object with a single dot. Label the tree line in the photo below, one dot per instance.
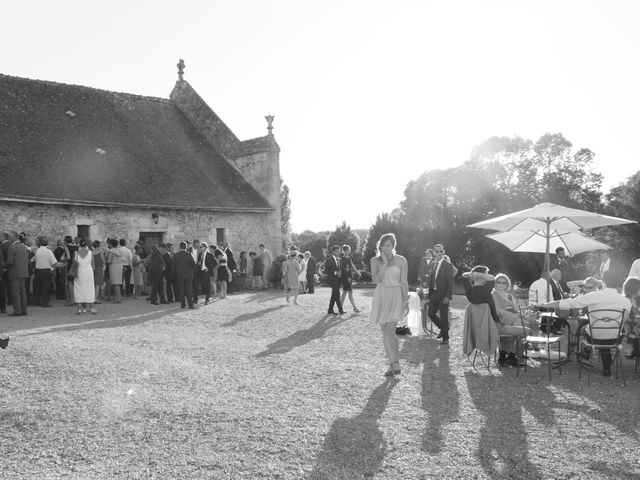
(502, 175)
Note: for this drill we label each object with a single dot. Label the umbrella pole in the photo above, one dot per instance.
(547, 263)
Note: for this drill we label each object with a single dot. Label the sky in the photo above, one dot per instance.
(367, 94)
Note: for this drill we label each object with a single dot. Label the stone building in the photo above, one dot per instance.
(76, 160)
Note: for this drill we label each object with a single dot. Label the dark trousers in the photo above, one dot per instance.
(310, 285)
(195, 284)
(128, 286)
(184, 290)
(169, 288)
(335, 298)
(204, 280)
(156, 288)
(3, 295)
(442, 322)
(605, 353)
(42, 285)
(18, 295)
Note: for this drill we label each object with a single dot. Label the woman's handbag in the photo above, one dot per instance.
(73, 273)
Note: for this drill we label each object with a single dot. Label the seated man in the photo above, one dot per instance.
(478, 285)
(608, 298)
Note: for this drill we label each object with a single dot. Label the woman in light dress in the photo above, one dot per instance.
(138, 272)
(115, 261)
(290, 273)
(390, 298)
(84, 291)
(303, 273)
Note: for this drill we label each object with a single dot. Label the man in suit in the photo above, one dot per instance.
(311, 271)
(440, 292)
(4, 275)
(424, 270)
(334, 273)
(194, 251)
(231, 263)
(605, 262)
(205, 264)
(17, 264)
(183, 269)
(168, 271)
(563, 263)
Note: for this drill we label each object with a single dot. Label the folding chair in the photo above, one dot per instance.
(603, 332)
(535, 341)
(479, 334)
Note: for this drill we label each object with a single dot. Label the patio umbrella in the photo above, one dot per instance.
(549, 217)
(573, 242)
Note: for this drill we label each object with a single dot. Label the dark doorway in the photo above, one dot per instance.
(83, 231)
(150, 238)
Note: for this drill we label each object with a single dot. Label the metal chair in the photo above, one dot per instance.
(536, 341)
(603, 332)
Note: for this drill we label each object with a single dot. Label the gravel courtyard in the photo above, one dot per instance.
(252, 388)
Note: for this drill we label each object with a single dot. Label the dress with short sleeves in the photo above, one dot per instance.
(387, 302)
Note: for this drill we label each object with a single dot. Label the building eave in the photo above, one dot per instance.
(85, 203)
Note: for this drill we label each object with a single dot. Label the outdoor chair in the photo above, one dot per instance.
(522, 297)
(603, 332)
(479, 334)
(532, 342)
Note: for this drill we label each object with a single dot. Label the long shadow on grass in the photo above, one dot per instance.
(264, 296)
(302, 337)
(91, 323)
(355, 447)
(440, 397)
(503, 446)
(250, 316)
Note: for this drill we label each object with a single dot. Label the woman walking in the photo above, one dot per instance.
(84, 291)
(390, 298)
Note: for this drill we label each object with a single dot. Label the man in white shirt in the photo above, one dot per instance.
(606, 299)
(44, 261)
(127, 267)
(540, 290)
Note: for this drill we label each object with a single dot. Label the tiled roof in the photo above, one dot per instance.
(77, 144)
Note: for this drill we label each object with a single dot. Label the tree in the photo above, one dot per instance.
(343, 235)
(624, 201)
(285, 213)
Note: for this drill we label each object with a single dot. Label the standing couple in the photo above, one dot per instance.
(340, 271)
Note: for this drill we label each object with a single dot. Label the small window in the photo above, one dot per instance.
(83, 231)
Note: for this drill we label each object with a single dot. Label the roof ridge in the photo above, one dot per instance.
(84, 87)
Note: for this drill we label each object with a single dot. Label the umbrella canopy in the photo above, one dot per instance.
(573, 242)
(547, 217)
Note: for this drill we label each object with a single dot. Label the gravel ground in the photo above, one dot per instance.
(251, 388)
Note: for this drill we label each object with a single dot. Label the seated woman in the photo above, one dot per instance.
(478, 286)
(509, 312)
(631, 290)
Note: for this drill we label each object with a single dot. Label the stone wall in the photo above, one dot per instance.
(244, 231)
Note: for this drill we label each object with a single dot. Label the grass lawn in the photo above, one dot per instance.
(250, 388)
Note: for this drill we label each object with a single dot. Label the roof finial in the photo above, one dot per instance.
(180, 69)
(269, 119)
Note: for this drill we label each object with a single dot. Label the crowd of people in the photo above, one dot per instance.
(85, 273)
(556, 290)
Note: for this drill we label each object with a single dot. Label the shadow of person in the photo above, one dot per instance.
(302, 337)
(355, 447)
(250, 316)
(440, 396)
(503, 446)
